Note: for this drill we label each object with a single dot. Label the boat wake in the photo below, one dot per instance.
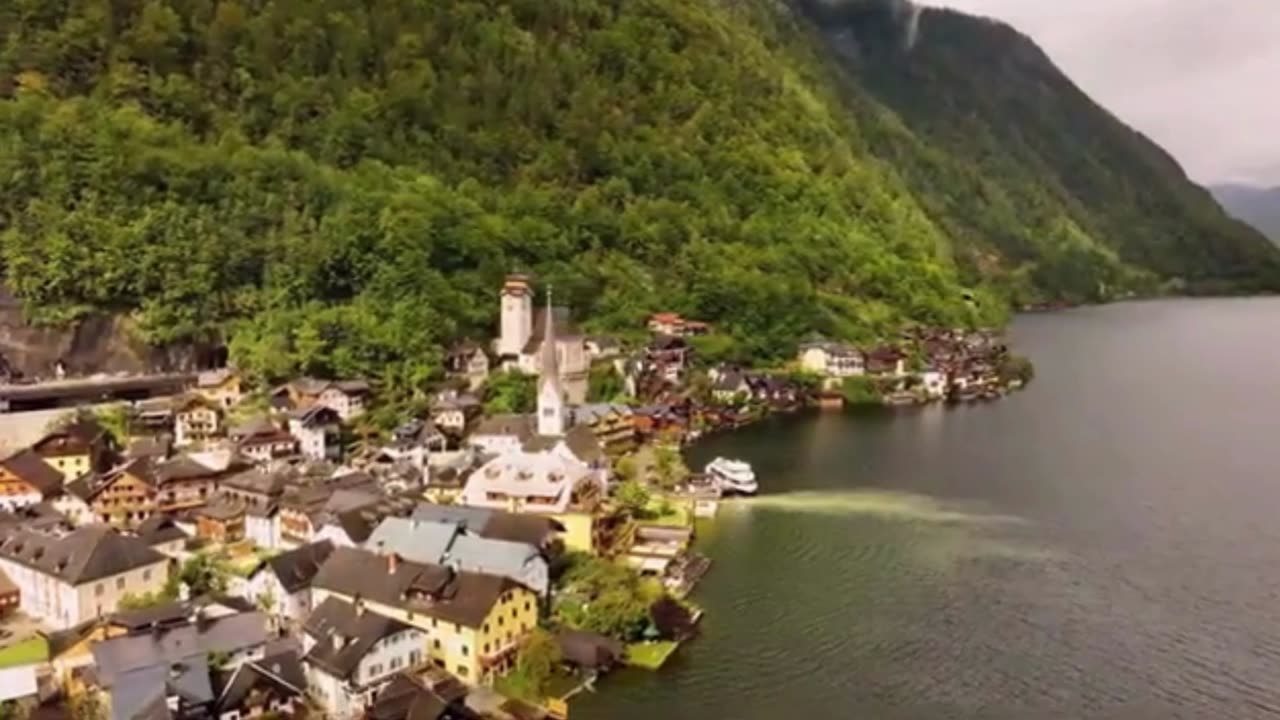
(908, 507)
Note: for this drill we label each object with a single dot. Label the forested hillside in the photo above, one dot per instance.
(337, 186)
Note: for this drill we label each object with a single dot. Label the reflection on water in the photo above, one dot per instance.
(877, 503)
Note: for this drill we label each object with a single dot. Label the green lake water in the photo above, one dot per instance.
(1102, 545)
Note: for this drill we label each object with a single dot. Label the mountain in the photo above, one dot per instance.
(1260, 207)
(337, 187)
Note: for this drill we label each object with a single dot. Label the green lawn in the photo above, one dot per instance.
(26, 652)
(677, 513)
(650, 655)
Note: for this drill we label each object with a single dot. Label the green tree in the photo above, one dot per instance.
(632, 497)
(537, 661)
(510, 393)
(205, 574)
(669, 466)
(604, 384)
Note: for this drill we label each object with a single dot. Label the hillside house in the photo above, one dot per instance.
(318, 430)
(77, 448)
(469, 362)
(196, 419)
(26, 479)
(220, 387)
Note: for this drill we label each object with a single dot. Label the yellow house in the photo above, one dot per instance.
(76, 448)
(579, 531)
(474, 621)
(220, 387)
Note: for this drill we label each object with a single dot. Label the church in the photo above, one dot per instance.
(542, 465)
(521, 337)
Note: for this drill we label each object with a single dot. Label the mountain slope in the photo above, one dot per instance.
(337, 187)
(1014, 159)
(1260, 207)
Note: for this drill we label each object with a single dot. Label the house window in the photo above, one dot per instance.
(436, 643)
(527, 605)
(463, 670)
(465, 651)
(146, 575)
(501, 621)
(393, 663)
(486, 628)
(415, 657)
(120, 583)
(486, 648)
(99, 589)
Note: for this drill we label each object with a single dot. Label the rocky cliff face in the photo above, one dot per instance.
(99, 343)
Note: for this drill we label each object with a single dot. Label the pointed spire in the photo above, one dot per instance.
(550, 367)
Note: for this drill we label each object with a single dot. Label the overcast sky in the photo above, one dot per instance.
(1201, 77)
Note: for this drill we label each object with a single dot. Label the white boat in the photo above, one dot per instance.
(733, 476)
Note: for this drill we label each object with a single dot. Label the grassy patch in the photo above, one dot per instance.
(26, 652)
(661, 511)
(650, 655)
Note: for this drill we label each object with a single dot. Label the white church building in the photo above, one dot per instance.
(542, 473)
(521, 336)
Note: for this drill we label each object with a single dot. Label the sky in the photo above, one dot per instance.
(1200, 77)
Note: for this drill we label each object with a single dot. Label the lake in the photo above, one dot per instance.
(1104, 544)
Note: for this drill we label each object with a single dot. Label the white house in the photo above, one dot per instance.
(352, 653)
(347, 397)
(282, 584)
(832, 359)
(26, 479)
(316, 429)
(64, 581)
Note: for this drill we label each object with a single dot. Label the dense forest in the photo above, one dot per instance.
(337, 186)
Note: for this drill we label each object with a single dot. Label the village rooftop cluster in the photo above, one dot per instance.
(230, 553)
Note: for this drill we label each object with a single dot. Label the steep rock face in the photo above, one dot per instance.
(96, 343)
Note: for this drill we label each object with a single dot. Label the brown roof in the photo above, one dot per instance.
(30, 468)
(295, 569)
(436, 591)
(582, 442)
(521, 426)
(182, 467)
(160, 529)
(89, 553)
(75, 438)
(355, 633)
(221, 511)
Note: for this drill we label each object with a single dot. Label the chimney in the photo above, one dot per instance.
(391, 563)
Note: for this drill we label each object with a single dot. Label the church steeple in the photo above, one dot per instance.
(551, 414)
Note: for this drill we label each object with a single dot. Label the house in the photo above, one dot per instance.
(168, 672)
(886, 361)
(414, 441)
(261, 440)
(468, 361)
(255, 487)
(934, 382)
(123, 497)
(501, 433)
(275, 685)
(76, 448)
(831, 359)
(156, 447)
(196, 419)
(317, 429)
(446, 543)
(346, 397)
(282, 584)
(221, 387)
(26, 479)
(473, 621)
(353, 651)
(519, 343)
(540, 532)
(771, 390)
(191, 479)
(730, 386)
(66, 580)
(669, 356)
(612, 424)
(221, 522)
(162, 534)
(431, 695)
(453, 411)
(154, 416)
(656, 547)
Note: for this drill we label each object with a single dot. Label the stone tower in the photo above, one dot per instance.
(517, 316)
(551, 412)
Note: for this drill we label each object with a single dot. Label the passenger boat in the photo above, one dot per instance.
(733, 476)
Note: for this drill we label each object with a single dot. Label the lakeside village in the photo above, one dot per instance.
(231, 554)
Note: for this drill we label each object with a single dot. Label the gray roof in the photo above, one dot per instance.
(89, 553)
(496, 524)
(587, 414)
(159, 529)
(414, 539)
(432, 590)
(280, 675)
(172, 644)
(344, 634)
(580, 440)
(296, 568)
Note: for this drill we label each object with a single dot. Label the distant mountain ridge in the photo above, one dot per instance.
(1258, 206)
